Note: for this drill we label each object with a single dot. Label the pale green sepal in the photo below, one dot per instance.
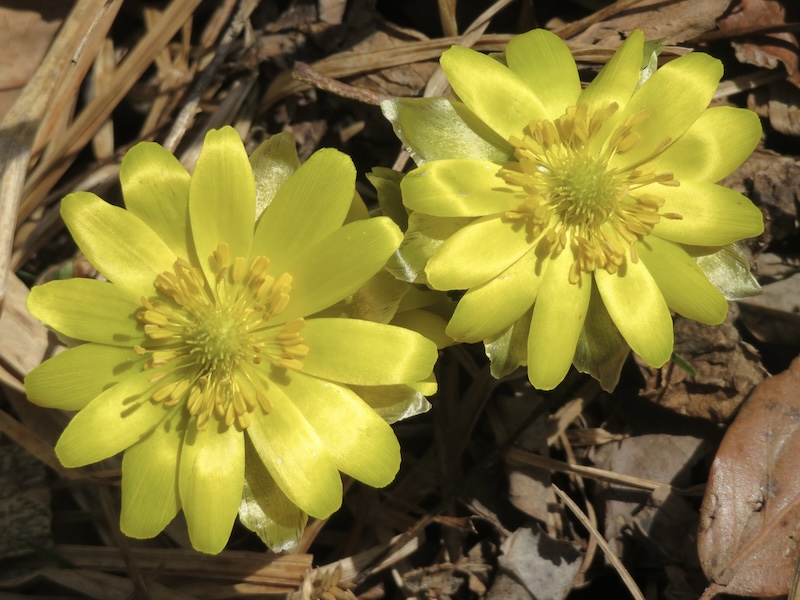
(424, 236)
(673, 98)
(310, 205)
(88, 310)
(558, 317)
(338, 265)
(73, 378)
(117, 243)
(426, 323)
(155, 187)
(477, 253)
(393, 402)
(601, 350)
(650, 52)
(273, 162)
(222, 196)
(210, 481)
(361, 443)
(295, 456)
(638, 308)
(458, 188)
(387, 185)
(543, 61)
(509, 350)
(265, 509)
(728, 269)
(150, 498)
(377, 300)
(682, 282)
(488, 309)
(498, 96)
(437, 128)
(115, 420)
(365, 353)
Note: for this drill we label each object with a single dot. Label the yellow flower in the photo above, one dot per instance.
(203, 360)
(573, 217)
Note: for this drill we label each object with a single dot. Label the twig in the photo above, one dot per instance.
(306, 74)
(612, 558)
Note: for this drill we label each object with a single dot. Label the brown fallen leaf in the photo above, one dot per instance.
(750, 516)
(764, 49)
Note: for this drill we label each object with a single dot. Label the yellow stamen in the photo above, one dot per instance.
(571, 197)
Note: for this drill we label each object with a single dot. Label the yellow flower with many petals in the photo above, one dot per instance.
(572, 217)
(203, 360)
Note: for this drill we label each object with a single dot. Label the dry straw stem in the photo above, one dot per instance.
(80, 132)
(612, 558)
(272, 573)
(518, 456)
(22, 123)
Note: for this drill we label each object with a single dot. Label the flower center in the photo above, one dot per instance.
(571, 196)
(213, 340)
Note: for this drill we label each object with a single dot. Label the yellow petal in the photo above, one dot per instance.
(617, 80)
(155, 187)
(682, 282)
(424, 235)
(72, 379)
(714, 146)
(119, 244)
(710, 215)
(366, 353)
(476, 253)
(496, 95)
(458, 188)
(426, 323)
(488, 309)
(674, 97)
(150, 497)
(265, 509)
(112, 422)
(543, 61)
(222, 198)
(638, 309)
(210, 481)
(339, 264)
(311, 204)
(295, 456)
(362, 444)
(88, 310)
(558, 316)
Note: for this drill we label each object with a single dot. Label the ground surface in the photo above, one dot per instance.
(504, 493)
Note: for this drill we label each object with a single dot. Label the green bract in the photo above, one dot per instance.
(203, 358)
(575, 219)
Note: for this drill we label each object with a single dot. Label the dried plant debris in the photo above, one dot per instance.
(750, 518)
